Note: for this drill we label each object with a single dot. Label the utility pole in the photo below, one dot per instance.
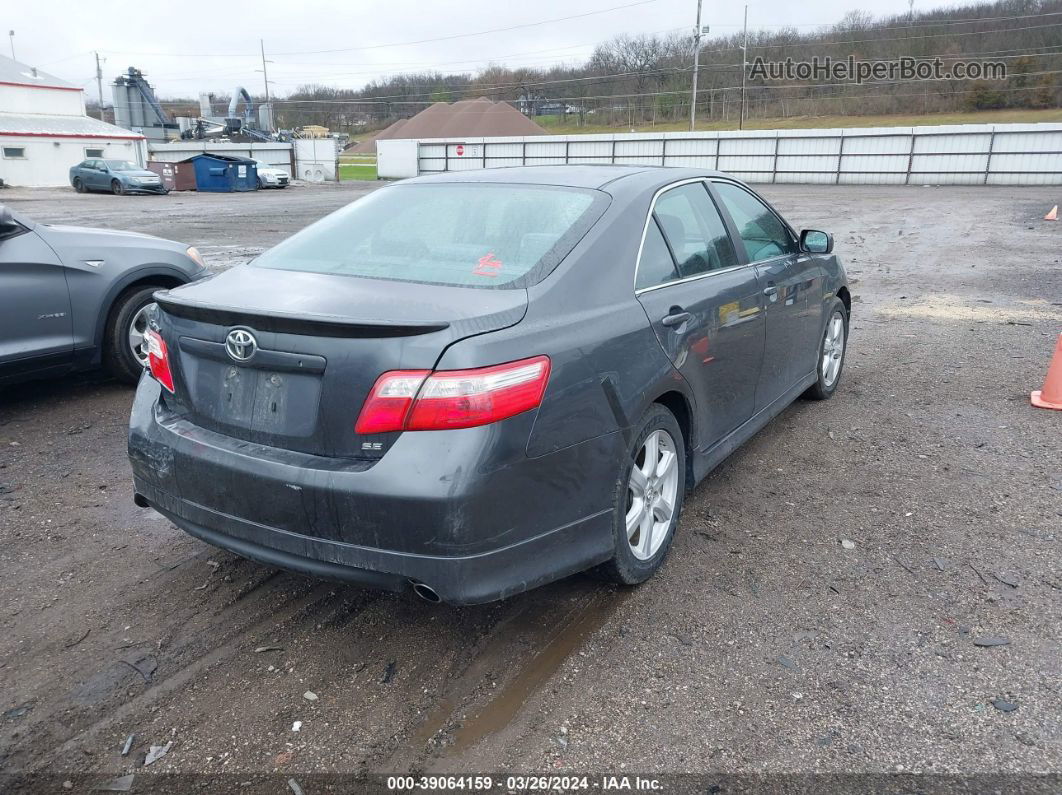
(265, 75)
(11, 38)
(99, 83)
(696, 67)
(744, 70)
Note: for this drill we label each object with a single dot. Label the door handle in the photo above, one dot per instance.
(676, 318)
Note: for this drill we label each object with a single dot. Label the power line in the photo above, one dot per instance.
(999, 54)
(826, 29)
(680, 91)
(471, 86)
(909, 38)
(478, 33)
(450, 37)
(399, 99)
(836, 25)
(827, 98)
(804, 39)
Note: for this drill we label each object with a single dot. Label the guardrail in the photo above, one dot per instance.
(975, 154)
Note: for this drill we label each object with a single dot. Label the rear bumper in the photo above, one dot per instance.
(463, 512)
(457, 580)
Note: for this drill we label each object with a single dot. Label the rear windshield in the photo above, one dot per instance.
(467, 234)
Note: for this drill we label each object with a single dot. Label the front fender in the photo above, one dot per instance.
(156, 270)
(834, 278)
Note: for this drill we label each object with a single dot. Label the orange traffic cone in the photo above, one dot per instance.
(1050, 397)
(1052, 215)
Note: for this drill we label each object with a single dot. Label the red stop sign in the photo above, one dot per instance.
(460, 150)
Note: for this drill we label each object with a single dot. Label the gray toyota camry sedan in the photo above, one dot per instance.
(470, 384)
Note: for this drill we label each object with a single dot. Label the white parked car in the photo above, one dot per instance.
(271, 176)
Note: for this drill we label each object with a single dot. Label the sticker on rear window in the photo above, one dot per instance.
(488, 265)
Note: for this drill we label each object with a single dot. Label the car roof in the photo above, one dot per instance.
(571, 176)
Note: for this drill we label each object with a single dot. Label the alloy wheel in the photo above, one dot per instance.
(137, 327)
(652, 494)
(833, 349)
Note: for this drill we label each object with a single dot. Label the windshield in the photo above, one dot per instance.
(122, 165)
(477, 235)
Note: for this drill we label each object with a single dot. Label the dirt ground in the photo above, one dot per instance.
(764, 645)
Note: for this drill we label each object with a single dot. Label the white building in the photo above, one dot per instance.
(44, 130)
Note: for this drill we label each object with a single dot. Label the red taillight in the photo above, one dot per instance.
(388, 403)
(419, 400)
(158, 359)
(464, 398)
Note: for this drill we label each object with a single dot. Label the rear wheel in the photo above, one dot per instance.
(79, 186)
(832, 347)
(117, 188)
(124, 354)
(648, 499)
(261, 183)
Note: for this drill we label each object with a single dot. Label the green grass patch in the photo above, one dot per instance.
(570, 126)
(358, 171)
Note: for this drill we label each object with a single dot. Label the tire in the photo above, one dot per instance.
(261, 185)
(79, 186)
(117, 188)
(118, 356)
(829, 378)
(637, 557)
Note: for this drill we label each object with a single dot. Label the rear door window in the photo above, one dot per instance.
(764, 234)
(656, 265)
(467, 234)
(694, 229)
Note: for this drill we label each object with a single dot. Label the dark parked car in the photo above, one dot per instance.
(115, 176)
(474, 383)
(72, 298)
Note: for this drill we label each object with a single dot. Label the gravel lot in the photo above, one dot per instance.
(763, 645)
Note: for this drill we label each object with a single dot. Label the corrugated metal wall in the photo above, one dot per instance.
(274, 153)
(972, 154)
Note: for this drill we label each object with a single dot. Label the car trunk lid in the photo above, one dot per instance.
(319, 343)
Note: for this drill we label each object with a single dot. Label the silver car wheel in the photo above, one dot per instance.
(137, 327)
(652, 493)
(833, 349)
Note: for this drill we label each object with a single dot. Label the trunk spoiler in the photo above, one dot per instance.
(284, 323)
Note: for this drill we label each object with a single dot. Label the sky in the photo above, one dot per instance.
(194, 46)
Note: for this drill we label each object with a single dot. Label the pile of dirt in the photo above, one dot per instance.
(469, 118)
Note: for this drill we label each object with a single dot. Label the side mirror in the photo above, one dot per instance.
(815, 242)
(8, 224)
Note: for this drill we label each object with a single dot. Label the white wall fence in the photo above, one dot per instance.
(967, 154)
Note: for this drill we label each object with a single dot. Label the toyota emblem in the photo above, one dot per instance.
(240, 344)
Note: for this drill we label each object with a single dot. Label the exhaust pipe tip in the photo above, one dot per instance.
(140, 501)
(426, 592)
